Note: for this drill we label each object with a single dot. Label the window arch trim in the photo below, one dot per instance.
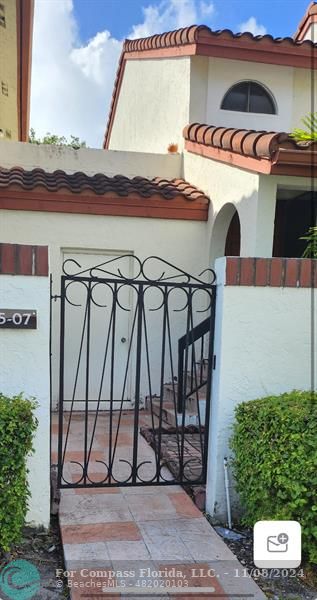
(266, 90)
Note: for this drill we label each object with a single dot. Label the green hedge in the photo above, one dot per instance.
(275, 462)
(17, 425)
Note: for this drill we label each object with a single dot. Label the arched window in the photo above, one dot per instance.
(249, 96)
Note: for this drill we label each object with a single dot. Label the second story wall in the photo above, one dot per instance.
(153, 105)
(157, 97)
(302, 95)
(211, 78)
(222, 74)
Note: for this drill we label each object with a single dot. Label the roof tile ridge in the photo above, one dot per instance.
(311, 10)
(269, 142)
(175, 37)
(228, 137)
(257, 143)
(192, 34)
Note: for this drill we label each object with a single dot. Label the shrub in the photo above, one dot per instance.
(17, 425)
(275, 462)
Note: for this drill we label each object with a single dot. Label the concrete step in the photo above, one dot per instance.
(168, 412)
(201, 369)
(199, 374)
(171, 392)
(170, 397)
(204, 368)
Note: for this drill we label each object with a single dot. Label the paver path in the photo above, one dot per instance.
(142, 542)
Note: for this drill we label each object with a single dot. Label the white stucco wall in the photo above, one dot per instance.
(226, 184)
(158, 97)
(89, 160)
(211, 78)
(263, 347)
(252, 194)
(224, 73)
(311, 33)
(182, 243)
(302, 95)
(153, 105)
(198, 89)
(24, 356)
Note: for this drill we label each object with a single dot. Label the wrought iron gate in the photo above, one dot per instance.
(136, 357)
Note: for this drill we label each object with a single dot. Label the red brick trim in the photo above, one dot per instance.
(21, 259)
(262, 272)
(41, 260)
(273, 272)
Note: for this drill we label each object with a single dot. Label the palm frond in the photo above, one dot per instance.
(310, 133)
(311, 248)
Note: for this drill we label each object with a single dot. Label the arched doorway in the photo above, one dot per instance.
(226, 233)
(233, 239)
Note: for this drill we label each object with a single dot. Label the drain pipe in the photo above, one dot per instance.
(225, 468)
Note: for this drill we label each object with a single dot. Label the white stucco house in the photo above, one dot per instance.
(244, 88)
(197, 165)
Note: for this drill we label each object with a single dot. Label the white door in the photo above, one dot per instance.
(97, 332)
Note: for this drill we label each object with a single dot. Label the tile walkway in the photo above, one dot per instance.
(139, 542)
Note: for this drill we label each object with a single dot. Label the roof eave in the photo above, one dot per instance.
(41, 200)
(287, 56)
(285, 162)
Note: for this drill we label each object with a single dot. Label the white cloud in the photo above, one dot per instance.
(252, 26)
(72, 82)
(97, 58)
(206, 9)
(170, 14)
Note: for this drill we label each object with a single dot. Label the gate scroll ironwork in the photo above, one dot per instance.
(136, 350)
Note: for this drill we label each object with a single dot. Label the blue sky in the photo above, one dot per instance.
(279, 17)
(77, 44)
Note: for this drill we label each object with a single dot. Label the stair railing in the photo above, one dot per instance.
(197, 379)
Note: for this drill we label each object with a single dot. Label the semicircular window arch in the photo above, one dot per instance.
(249, 96)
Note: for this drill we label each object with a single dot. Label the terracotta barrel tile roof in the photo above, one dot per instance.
(185, 35)
(100, 184)
(202, 34)
(257, 144)
(260, 151)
